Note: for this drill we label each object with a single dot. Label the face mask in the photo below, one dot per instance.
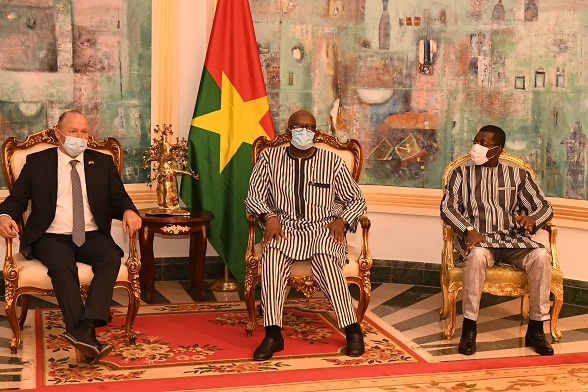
(74, 146)
(478, 154)
(302, 138)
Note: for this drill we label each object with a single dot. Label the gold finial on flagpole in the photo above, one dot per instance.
(225, 284)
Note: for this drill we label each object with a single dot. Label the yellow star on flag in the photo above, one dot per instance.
(236, 122)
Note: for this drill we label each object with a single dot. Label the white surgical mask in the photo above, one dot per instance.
(74, 146)
(302, 138)
(478, 154)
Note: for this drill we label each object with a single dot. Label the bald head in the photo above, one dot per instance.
(302, 117)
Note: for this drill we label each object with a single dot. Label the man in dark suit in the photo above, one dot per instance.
(73, 192)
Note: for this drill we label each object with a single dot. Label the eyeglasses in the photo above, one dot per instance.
(310, 127)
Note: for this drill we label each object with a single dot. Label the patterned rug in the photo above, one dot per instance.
(204, 345)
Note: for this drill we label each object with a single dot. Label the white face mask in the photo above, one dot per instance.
(302, 138)
(74, 146)
(478, 154)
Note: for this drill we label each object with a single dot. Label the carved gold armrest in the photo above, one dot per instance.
(447, 261)
(133, 261)
(251, 259)
(365, 258)
(552, 230)
(10, 270)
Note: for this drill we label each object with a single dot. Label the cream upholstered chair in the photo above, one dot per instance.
(22, 276)
(359, 261)
(501, 280)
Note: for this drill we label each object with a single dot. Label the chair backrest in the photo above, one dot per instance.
(504, 156)
(350, 151)
(14, 154)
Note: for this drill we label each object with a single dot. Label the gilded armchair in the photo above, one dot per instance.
(359, 260)
(502, 280)
(23, 277)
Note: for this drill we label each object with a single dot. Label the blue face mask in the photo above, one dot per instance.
(302, 138)
(74, 146)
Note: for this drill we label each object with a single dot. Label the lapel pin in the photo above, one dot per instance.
(90, 162)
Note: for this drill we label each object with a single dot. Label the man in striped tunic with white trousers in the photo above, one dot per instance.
(306, 201)
(484, 201)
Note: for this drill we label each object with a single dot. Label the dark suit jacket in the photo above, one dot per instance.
(37, 183)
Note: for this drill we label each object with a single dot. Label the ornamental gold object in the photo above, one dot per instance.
(169, 161)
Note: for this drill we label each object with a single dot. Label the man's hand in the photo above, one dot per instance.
(526, 222)
(131, 221)
(337, 230)
(8, 227)
(472, 239)
(273, 230)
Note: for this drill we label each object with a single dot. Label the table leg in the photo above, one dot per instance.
(147, 273)
(197, 256)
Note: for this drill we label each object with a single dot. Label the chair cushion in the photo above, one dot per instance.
(302, 267)
(503, 274)
(34, 274)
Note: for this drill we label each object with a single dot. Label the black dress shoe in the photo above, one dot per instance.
(83, 342)
(467, 343)
(538, 341)
(267, 348)
(104, 350)
(355, 346)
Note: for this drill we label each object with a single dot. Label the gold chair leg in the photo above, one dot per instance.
(14, 325)
(134, 302)
(452, 309)
(445, 306)
(557, 290)
(24, 309)
(249, 296)
(525, 306)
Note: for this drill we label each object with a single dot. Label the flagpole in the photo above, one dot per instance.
(225, 284)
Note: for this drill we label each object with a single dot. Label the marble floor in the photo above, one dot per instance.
(411, 310)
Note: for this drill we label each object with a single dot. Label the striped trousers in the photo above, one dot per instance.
(328, 273)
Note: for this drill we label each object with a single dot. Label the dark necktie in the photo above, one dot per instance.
(78, 232)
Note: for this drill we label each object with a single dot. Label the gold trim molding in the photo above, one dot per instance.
(425, 202)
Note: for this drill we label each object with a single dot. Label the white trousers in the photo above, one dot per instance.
(536, 262)
(328, 273)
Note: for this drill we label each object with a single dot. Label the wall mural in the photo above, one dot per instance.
(413, 81)
(92, 55)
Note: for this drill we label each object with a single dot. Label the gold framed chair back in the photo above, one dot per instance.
(359, 260)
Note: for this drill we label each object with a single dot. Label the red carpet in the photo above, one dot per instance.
(203, 345)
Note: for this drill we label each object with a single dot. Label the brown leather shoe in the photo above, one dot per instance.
(267, 348)
(538, 341)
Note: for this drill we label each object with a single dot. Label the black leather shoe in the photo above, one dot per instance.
(83, 342)
(538, 341)
(467, 343)
(355, 346)
(104, 350)
(267, 348)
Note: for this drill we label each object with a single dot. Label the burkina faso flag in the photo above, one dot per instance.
(232, 110)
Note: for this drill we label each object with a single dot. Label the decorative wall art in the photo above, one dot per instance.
(414, 92)
(91, 55)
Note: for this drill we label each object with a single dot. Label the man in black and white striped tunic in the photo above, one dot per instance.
(306, 200)
(483, 201)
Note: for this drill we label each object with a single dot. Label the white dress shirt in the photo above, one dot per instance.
(63, 221)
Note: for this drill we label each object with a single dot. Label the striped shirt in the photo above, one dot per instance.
(305, 194)
(488, 198)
